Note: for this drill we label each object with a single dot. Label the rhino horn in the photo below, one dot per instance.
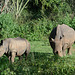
(52, 40)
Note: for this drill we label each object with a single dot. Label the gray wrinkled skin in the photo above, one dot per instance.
(61, 38)
(14, 47)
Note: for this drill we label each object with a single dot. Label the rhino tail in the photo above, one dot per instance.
(28, 48)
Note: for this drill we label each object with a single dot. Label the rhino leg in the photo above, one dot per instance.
(20, 57)
(13, 56)
(9, 58)
(64, 49)
(69, 51)
(26, 54)
(64, 52)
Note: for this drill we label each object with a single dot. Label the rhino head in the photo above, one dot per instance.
(57, 41)
(57, 46)
(2, 51)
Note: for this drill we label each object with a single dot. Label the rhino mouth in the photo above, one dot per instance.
(56, 52)
(59, 53)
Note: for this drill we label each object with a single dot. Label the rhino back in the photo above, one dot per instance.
(68, 32)
(17, 45)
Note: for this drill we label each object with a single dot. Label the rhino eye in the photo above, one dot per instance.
(60, 37)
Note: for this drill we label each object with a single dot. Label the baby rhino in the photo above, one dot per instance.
(14, 47)
(61, 38)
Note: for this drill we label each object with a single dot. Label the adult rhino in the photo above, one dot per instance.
(14, 47)
(61, 38)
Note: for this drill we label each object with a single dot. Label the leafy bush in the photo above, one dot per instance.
(64, 19)
(73, 23)
(38, 29)
(7, 26)
(32, 30)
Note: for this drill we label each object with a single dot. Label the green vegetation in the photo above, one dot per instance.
(41, 61)
(34, 20)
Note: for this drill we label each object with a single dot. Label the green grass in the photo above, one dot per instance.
(41, 47)
(73, 46)
(41, 61)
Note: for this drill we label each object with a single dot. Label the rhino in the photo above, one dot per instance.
(61, 39)
(14, 47)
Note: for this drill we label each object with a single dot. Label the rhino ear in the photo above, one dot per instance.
(60, 37)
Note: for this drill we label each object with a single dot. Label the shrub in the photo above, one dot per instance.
(73, 23)
(7, 26)
(32, 29)
(38, 29)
